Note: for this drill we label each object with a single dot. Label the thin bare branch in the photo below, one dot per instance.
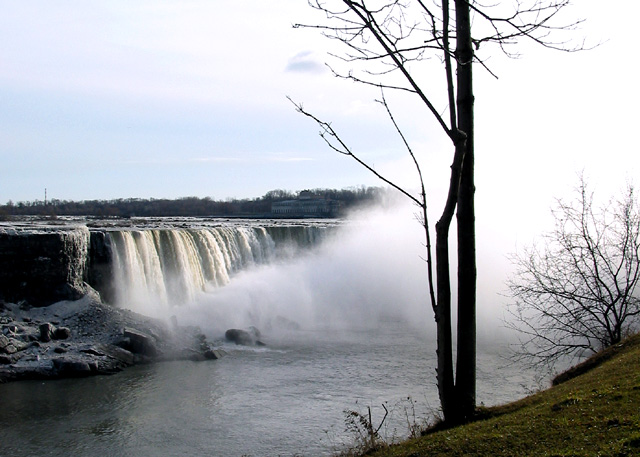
(333, 140)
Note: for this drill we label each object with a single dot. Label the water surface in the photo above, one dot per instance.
(286, 399)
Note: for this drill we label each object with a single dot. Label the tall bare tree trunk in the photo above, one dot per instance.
(466, 347)
(446, 385)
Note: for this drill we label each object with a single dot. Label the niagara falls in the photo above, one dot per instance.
(323, 228)
(342, 311)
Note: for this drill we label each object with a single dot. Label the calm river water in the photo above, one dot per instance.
(287, 399)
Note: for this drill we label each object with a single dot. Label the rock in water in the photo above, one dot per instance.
(244, 337)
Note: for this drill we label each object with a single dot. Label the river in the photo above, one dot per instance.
(285, 399)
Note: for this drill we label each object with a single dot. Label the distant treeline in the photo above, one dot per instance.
(186, 206)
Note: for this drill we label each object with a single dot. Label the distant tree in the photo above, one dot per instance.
(577, 293)
(387, 41)
(278, 194)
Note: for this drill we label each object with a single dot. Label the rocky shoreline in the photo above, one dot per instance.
(87, 337)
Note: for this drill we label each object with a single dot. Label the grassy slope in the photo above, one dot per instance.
(594, 414)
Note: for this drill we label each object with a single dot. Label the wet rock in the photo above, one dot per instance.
(5, 359)
(61, 333)
(9, 345)
(43, 266)
(4, 342)
(244, 337)
(120, 356)
(89, 340)
(10, 329)
(141, 343)
(10, 359)
(46, 332)
(71, 368)
(213, 354)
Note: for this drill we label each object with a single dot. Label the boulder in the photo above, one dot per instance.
(140, 343)
(72, 368)
(61, 333)
(244, 337)
(4, 343)
(46, 332)
(120, 356)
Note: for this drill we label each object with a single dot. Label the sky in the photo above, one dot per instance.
(168, 99)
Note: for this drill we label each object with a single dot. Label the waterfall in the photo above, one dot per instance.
(169, 266)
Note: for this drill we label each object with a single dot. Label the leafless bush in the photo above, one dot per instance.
(576, 294)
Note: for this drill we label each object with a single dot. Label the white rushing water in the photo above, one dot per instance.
(156, 269)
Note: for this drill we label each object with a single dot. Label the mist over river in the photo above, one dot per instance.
(347, 326)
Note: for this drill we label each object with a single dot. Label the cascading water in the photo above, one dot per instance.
(171, 266)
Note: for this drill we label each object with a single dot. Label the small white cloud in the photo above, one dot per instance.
(305, 62)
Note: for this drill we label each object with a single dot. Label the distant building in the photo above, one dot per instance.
(306, 205)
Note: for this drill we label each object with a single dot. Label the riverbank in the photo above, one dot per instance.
(87, 337)
(596, 412)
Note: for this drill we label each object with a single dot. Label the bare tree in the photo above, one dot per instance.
(576, 294)
(387, 43)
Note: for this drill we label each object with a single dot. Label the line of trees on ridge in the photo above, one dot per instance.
(186, 206)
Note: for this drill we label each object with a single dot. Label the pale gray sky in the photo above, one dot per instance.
(148, 98)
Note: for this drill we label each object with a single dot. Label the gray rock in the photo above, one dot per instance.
(213, 354)
(5, 359)
(46, 332)
(118, 354)
(43, 266)
(244, 337)
(61, 333)
(4, 342)
(141, 343)
(71, 367)
(37, 348)
(7, 345)
(10, 329)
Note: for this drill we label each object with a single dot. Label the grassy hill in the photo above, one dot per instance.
(594, 411)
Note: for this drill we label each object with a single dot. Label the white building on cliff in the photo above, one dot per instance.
(306, 205)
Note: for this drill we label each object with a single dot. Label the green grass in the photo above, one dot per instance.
(596, 413)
